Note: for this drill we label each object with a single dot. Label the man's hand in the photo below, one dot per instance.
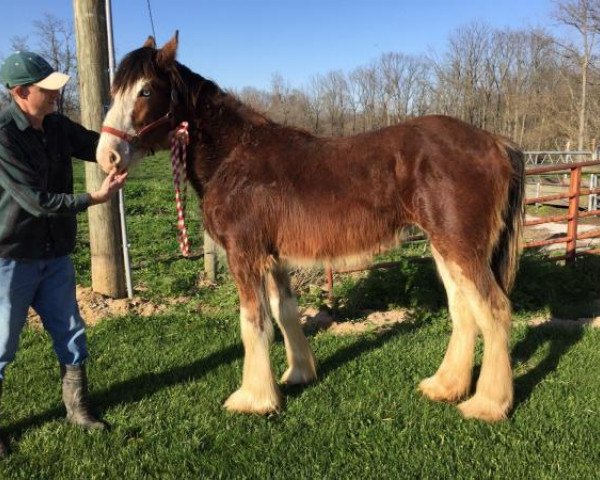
(114, 181)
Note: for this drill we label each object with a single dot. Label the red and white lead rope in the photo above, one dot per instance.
(179, 143)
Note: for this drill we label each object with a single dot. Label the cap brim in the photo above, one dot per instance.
(54, 81)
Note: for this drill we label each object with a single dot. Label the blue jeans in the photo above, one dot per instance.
(49, 287)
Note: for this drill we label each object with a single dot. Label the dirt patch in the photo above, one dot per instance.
(314, 320)
(593, 322)
(94, 306)
(546, 231)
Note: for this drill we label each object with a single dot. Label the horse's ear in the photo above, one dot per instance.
(167, 54)
(150, 42)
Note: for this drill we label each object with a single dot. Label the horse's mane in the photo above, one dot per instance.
(137, 64)
(194, 87)
(191, 87)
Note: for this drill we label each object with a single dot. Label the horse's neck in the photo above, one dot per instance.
(224, 123)
(221, 124)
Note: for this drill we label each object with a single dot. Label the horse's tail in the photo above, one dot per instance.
(505, 256)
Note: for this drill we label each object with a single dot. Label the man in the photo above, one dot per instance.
(38, 224)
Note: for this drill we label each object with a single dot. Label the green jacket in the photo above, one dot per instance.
(37, 204)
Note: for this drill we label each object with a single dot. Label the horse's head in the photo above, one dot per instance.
(144, 104)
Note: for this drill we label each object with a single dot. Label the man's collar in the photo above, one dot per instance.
(19, 117)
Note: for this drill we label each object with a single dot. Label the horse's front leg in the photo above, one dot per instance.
(259, 392)
(284, 308)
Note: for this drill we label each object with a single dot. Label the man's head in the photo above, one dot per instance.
(27, 68)
(32, 82)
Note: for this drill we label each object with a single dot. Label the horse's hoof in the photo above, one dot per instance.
(484, 409)
(437, 391)
(299, 376)
(243, 401)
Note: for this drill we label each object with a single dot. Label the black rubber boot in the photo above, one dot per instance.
(75, 397)
(3, 445)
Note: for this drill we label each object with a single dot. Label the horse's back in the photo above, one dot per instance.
(443, 140)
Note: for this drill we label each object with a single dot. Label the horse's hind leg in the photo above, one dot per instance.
(452, 380)
(491, 308)
(477, 304)
(284, 308)
(259, 392)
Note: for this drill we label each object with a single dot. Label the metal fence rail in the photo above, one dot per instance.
(552, 157)
(572, 195)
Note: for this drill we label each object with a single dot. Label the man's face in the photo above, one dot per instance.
(40, 101)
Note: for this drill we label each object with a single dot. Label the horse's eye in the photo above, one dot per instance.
(146, 92)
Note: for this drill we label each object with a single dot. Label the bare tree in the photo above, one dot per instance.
(462, 78)
(315, 106)
(403, 80)
(56, 43)
(525, 84)
(335, 100)
(365, 85)
(280, 98)
(354, 103)
(257, 99)
(582, 15)
(19, 43)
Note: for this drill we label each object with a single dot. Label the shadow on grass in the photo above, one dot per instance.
(561, 340)
(137, 388)
(567, 291)
(363, 345)
(359, 348)
(145, 385)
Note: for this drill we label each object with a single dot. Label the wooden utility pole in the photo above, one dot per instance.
(210, 258)
(108, 275)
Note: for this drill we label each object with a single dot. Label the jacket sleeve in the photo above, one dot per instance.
(20, 181)
(83, 141)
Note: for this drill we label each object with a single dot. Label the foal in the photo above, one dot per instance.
(273, 195)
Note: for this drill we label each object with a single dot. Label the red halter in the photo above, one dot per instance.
(133, 139)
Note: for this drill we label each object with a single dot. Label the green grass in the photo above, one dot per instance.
(157, 265)
(160, 381)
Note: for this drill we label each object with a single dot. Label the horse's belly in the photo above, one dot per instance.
(342, 249)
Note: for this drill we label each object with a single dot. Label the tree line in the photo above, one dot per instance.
(530, 85)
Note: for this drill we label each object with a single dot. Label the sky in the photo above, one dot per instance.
(240, 43)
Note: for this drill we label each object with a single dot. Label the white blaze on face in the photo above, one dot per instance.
(113, 151)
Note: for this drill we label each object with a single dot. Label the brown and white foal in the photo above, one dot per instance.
(273, 195)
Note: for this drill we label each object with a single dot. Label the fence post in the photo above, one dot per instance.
(593, 198)
(329, 274)
(210, 258)
(574, 190)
